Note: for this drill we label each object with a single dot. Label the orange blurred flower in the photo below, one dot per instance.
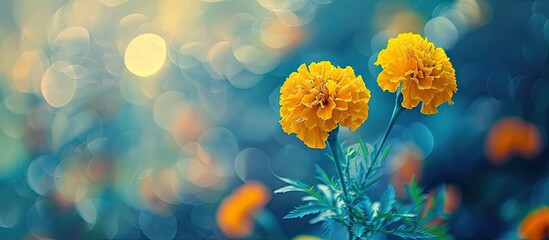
(535, 226)
(509, 136)
(425, 72)
(235, 213)
(406, 165)
(452, 200)
(314, 100)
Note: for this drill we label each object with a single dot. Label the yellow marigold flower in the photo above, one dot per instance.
(306, 237)
(314, 100)
(535, 226)
(425, 72)
(235, 213)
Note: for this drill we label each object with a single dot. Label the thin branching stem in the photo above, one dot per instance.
(396, 112)
(335, 149)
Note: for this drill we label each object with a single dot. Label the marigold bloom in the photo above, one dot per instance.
(425, 72)
(509, 136)
(235, 213)
(535, 226)
(314, 100)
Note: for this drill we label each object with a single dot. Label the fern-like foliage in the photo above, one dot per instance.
(364, 216)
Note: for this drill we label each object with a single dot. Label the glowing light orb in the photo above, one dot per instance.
(145, 54)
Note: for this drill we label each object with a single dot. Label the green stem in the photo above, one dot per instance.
(396, 112)
(335, 149)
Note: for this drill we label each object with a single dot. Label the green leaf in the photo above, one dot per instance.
(304, 210)
(292, 182)
(413, 190)
(373, 181)
(351, 153)
(330, 157)
(363, 147)
(387, 200)
(439, 231)
(384, 155)
(322, 176)
(311, 191)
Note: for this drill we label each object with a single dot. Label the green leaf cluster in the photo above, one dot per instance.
(365, 215)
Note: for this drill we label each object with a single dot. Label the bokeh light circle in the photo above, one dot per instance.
(87, 211)
(72, 44)
(158, 227)
(40, 174)
(145, 55)
(28, 70)
(58, 84)
(442, 32)
(112, 3)
(38, 220)
(323, 1)
(251, 163)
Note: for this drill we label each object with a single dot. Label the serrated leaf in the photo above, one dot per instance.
(387, 200)
(323, 217)
(365, 206)
(286, 189)
(325, 190)
(304, 210)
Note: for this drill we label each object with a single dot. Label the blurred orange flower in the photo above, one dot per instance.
(425, 72)
(452, 200)
(509, 136)
(535, 226)
(314, 100)
(235, 213)
(406, 165)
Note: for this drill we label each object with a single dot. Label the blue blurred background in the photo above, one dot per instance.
(134, 119)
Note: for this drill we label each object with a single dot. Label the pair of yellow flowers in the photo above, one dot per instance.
(316, 99)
